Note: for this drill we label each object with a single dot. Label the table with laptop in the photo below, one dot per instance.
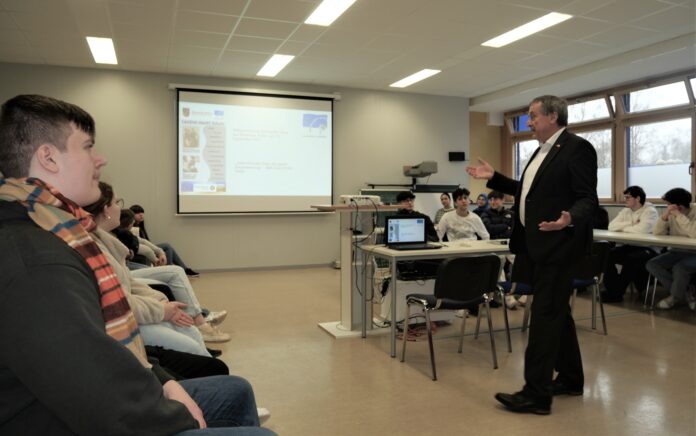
(406, 240)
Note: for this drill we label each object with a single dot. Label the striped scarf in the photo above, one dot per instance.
(51, 211)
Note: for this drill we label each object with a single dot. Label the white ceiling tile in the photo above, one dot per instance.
(190, 20)
(537, 43)
(182, 66)
(92, 17)
(265, 29)
(230, 58)
(228, 7)
(248, 43)
(307, 33)
(577, 50)
(142, 48)
(62, 21)
(623, 11)
(201, 39)
(142, 63)
(583, 7)
(286, 10)
(197, 55)
(152, 12)
(141, 34)
(551, 5)
(54, 7)
(292, 47)
(6, 21)
(10, 37)
(622, 35)
(675, 17)
(344, 37)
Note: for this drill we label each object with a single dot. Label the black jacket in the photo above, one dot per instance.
(60, 373)
(498, 222)
(565, 181)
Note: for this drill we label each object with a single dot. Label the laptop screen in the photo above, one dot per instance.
(405, 230)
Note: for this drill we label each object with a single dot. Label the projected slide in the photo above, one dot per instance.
(251, 153)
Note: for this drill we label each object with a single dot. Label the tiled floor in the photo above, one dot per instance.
(640, 379)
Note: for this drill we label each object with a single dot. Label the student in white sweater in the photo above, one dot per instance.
(637, 217)
(675, 267)
(460, 223)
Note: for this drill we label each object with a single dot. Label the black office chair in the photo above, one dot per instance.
(590, 273)
(461, 283)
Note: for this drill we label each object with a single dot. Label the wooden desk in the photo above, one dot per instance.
(649, 240)
(449, 249)
(350, 309)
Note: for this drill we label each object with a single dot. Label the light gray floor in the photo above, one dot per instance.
(640, 379)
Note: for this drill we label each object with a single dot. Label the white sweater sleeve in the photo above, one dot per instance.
(480, 227)
(621, 221)
(646, 224)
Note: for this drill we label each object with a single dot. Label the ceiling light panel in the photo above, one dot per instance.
(327, 12)
(102, 50)
(413, 78)
(276, 63)
(525, 30)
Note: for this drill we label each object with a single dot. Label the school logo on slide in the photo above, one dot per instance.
(186, 111)
(315, 124)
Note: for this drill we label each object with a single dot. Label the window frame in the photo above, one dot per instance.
(618, 121)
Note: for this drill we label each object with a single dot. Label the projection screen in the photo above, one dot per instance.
(244, 152)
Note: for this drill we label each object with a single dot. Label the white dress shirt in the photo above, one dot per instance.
(533, 167)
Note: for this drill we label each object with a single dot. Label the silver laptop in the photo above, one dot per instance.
(407, 233)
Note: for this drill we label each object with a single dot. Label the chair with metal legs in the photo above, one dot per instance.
(461, 283)
(590, 273)
(515, 288)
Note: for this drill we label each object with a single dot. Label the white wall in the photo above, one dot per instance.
(375, 134)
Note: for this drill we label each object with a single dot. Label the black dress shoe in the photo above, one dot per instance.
(191, 273)
(521, 403)
(560, 388)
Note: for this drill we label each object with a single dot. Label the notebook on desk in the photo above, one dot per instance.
(407, 233)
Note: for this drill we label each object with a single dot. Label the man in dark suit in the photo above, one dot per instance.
(555, 201)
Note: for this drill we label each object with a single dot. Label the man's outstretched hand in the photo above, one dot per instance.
(559, 224)
(483, 171)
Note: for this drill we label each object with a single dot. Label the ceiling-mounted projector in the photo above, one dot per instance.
(423, 169)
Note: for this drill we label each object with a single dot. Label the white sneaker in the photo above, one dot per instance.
(212, 334)
(511, 302)
(522, 300)
(666, 303)
(460, 313)
(216, 318)
(264, 414)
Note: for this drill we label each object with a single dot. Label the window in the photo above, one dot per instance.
(519, 124)
(602, 141)
(588, 110)
(673, 94)
(523, 151)
(642, 132)
(659, 155)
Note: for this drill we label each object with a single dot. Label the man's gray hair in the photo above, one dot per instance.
(551, 104)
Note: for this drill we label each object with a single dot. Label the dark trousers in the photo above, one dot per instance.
(553, 342)
(632, 260)
(184, 366)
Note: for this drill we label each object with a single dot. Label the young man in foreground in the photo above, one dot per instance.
(77, 364)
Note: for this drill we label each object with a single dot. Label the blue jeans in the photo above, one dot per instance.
(228, 406)
(673, 269)
(172, 256)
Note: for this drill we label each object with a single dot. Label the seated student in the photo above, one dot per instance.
(172, 256)
(104, 210)
(638, 216)
(462, 224)
(162, 322)
(78, 364)
(481, 204)
(135, 259)
(497, 219)
(405, 199)
(446, 207)
(674, 268)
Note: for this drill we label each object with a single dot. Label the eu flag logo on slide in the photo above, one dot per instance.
(314, 121)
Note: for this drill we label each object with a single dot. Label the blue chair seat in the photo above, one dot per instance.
(578, 283)
(520, 289)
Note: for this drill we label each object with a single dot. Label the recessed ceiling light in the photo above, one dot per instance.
(102, 50)
(525, 30)
(327, 12)
(413, 78)
(274, 65)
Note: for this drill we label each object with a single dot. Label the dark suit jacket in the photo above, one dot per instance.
(565, 181)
